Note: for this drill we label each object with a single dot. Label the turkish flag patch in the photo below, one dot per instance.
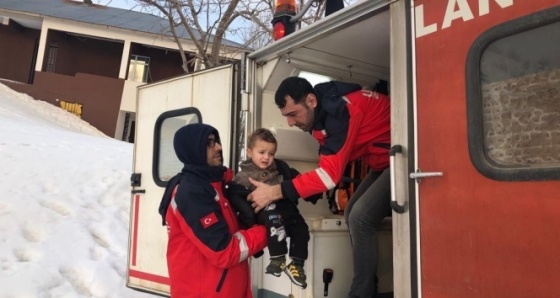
(209, 220)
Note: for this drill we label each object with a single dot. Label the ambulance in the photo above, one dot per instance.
(475, 153)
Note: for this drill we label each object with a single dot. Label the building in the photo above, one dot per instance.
(88, 59)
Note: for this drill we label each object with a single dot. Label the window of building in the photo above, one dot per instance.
(51, 57)
(514, 99)
(138, 68)
(129, 128)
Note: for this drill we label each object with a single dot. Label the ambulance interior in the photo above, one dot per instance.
(356, 51)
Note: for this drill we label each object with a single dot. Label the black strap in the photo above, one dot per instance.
(166, 198)
(346, 180)
(382, 145)
(222, 279)
(331, 198)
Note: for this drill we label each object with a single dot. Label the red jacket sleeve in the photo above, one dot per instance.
(331, 166)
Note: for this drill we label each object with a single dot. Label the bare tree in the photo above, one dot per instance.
(212, 25)
(254, 28)
(205, 23)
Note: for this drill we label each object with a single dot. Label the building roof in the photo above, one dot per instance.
(99, 15)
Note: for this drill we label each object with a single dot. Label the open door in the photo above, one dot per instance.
(162, 108)
(488, 94)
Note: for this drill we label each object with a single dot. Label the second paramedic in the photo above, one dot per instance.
(349, 123)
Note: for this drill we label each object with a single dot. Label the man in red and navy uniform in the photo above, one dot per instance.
(349, 123)
(207, 251)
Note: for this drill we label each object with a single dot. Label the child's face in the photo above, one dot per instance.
(262, 154)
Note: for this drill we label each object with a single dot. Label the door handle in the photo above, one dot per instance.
(394, 203)
(418, 175)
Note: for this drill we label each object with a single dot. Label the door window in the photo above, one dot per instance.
(514, 99)
(166, 164)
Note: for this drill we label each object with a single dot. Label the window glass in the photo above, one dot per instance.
(168, 163)
(138, 68)
(520, 88)
(51, 57)
(314, 78)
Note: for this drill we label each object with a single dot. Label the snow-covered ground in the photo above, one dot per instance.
(64, 204)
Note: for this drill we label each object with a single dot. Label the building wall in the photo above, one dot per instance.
(17, 45)
(82, 54)
(115, 34)
(99, 97)
(90, 69)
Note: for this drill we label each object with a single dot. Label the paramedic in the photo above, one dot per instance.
(349, 123)
(206, 252)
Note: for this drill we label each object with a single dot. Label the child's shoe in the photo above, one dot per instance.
(276, 266)
(296, 273)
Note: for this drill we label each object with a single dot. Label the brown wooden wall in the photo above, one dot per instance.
(99, 96)
(78, 54)
(17, 46)
(86, 71)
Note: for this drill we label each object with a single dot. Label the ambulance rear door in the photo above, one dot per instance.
(208, 96)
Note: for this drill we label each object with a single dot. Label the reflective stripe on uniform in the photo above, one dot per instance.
(325, 178)
(243, 247)
(173, 205)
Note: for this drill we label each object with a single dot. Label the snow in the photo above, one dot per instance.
(64, 204)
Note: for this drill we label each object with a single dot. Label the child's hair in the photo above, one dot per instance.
(262, 134)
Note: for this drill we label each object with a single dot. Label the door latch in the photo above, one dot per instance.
(135, 179)
(418, 175)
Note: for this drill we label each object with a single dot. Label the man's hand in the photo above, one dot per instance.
(263, 194)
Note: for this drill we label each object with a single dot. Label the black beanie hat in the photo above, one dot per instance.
(190, 143)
